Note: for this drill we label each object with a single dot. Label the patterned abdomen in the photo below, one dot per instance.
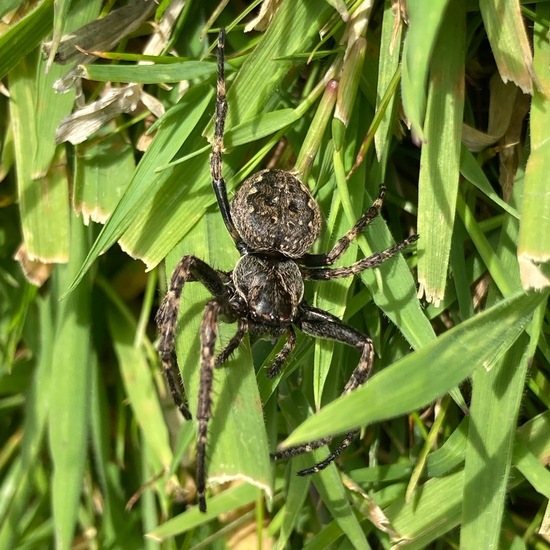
(275, 212)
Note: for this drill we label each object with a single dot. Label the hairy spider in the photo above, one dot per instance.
(273, 220)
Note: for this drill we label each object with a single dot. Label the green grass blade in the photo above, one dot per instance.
(103, 171)
(149, 74)
(425, 21)
(495, 404)
(494, 410)
(69, 414)
(393, 289)
(504, 281)
(22, 37)
(390, 45)
(439, 174)
(473, 172)
(184, 193)
(423, 376)
(138, 383)
(227, 501)
(531, 468)
(328, 482)
(292, 31)
(296, 494)
(432, 513)
(18, 497)
(436, 508)
(61, 9)
(45, 224)
(259, 126)
(535, 219)
(171, 135)
(508, 38)
(451, 454)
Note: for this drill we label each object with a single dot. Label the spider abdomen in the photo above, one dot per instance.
(274, 211)
(271, 287)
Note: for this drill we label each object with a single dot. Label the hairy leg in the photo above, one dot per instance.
(188, 269)
(376, 259)
(233, 344)
(209, 332)
(282, 356)
(323, 260)
(321, 324)
(218, 182)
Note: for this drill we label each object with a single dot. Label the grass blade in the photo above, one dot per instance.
(506, 32)
(425, 21)
(439, 174)
(436, 508)
(422, 376)
(103, 171)
(390, 45)
(139, 384)
(69, 414)
(172, 134)
(532, 249)
(149, 74)
(24, 36)
(495, 405)
(45, 228)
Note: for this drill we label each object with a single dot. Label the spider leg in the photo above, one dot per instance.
(324, 260)
(278, 362)
(209, 332)
(321, 324)
(344, 444)
(233, 344)
(188, 269)
(218, 182)
(374, 260)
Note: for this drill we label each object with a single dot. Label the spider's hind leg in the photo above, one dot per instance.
(321, 324)
(209, 333)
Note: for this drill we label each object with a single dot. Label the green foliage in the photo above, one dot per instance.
(455, 420)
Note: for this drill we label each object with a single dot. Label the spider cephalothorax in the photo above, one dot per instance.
(273, 220)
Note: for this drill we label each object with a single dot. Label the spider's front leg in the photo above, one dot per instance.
(325, 260)
(218, 182)
(316, 266)
(374, 260)
(321, 324)
(188, 269)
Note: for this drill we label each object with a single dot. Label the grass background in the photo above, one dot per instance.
(455, 420)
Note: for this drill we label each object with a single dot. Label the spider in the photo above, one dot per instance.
(273, 220)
